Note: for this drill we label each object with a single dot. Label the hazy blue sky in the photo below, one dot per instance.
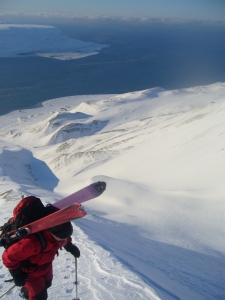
(184, 9)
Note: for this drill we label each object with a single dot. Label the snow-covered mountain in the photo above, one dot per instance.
(158, 230)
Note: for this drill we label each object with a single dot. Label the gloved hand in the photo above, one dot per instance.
(19, 276)
(72, 249)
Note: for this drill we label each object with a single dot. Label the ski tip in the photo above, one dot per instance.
(100, 186)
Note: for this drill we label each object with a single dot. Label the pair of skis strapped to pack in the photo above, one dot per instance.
(69, 208)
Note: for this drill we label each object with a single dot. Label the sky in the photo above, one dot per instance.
(183, 9)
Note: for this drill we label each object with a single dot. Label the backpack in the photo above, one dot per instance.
(28, 210)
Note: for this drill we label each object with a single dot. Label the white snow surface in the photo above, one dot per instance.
(41, 40)
(158, 230)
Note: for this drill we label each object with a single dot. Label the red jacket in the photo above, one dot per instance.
(29, 250)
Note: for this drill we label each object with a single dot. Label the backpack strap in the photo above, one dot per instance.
(41, 239)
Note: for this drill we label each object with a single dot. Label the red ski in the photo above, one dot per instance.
(74, 211)
(69, 209)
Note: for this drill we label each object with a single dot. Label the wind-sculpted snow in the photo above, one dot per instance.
(64, 118)
(76, 130)
(63, 127)
(158, 230)
(60, 127)
(31, 170)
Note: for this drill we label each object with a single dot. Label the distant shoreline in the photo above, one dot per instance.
(44, 41)
(140, 57)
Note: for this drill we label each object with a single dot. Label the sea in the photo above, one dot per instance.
(139, 56)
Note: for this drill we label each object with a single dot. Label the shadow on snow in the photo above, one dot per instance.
(24, 169)
(174, 272)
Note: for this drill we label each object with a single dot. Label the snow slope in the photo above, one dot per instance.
(41, 40)
(158, 230)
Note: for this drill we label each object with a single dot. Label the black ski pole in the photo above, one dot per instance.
(76, 282)
(9, 280)
(12, 287)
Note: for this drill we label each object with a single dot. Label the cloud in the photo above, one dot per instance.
(147, 20)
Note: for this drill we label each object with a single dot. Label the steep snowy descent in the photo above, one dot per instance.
(161, 154)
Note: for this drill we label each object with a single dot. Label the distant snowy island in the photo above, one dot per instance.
(158, 230)
(40, 40)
